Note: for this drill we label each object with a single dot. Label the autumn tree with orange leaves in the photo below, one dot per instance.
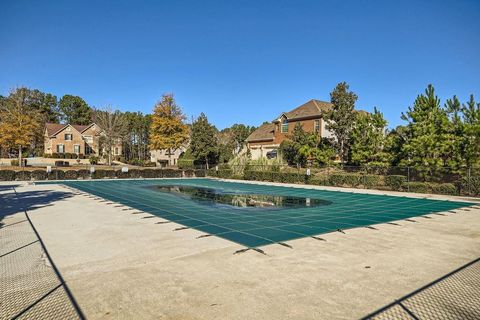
(18, 123)
(168, 131)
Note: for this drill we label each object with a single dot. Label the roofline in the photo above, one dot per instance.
(66, 125)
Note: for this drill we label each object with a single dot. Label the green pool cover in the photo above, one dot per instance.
(270, 214)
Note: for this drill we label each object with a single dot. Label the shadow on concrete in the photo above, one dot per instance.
(11, 204)
(456, 295)
(31, 286)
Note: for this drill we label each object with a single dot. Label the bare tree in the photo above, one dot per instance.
(114, 127)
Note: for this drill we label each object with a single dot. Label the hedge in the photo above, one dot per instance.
(395, 182)
(344, 180)
(470, 186)
(418, 187)
(185, 164)
(371, 181)
(23, 175)
(71, 174)
(7, 175)
(39, 174)
(224, 173)
(56, 175)
(444, 188)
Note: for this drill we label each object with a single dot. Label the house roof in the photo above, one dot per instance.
(311, 108)
(54, 128)
(264, 132)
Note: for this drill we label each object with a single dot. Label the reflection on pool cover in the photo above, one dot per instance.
(214, 197)
(253, 227)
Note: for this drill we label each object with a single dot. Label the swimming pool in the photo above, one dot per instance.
(255, 215)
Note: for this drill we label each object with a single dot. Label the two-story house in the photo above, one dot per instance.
(269, 136)
(75, 139)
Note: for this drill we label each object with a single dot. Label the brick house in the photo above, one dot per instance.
(269, 136)
(75, 139)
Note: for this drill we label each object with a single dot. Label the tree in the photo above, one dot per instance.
(75, 110)
(302, 147)
(137, 141)
(204, 143)
(167, 130)
(341, 118)
(114, 128)
(367, 139)
(18, 122)
(471, 116)
(429, 141)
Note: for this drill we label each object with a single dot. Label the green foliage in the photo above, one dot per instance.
(75, 110)
(344, 180)
(417, 187)
(185, 164)
(341, 119)
(204, 144)
(93, 160)
(56, 175)
(23, 176)
(7, 175)
(83, 174)
(470, 185)
(371, 181)
(221, 173)
(39, 175)
(367, 139)
(395, 182)
(301, 148)
(71, 174)
(443, 188)
(14, 162)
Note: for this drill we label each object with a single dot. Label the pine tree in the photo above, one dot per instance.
(341, 118)
(75, 110)
(471, 116)
(204, 142)
(167, 131)
(429, 142)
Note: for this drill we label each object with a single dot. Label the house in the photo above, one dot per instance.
(165, 158)
(75, 139)
(269, 136)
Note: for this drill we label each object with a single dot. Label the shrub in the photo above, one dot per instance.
(93, 160)
(100, 174)
(189, 173)
(395, 182)
(418, 187)
(185, 164)
(83, 174)
(81, 156)
(470, 186)
(38, 175)
(149, 164)
(7, 175)
(319, 181)
(23, 175)
(444, 188)
(68, 156)
(171, 173)
(14, 163)
(56, 175)
(148, 173)
(122, 175)
(370, 180)
(200, 173)
(344, 180)
(71, 174)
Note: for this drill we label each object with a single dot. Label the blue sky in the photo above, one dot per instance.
(241, 61)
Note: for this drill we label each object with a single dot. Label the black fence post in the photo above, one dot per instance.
(408, 179)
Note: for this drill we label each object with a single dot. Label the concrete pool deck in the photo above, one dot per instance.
(120, 265)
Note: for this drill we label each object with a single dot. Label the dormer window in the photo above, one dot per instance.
(284, 126)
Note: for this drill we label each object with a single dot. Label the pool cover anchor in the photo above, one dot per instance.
(393, 223)
(371, 227)
(318, 238)
(285, 245)
(254, 249)
(181, 228)
(410, 220)
(341, 231)
(163, 222)
(203, 236)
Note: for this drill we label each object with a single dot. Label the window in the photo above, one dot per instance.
(76, 149)
(116, 151)
(316, 127)
(88, 149)
(285, 126)
(68, 137)
(60, 148)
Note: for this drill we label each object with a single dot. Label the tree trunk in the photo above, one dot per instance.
(206, 162)
(169, 157)
(20, 156)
